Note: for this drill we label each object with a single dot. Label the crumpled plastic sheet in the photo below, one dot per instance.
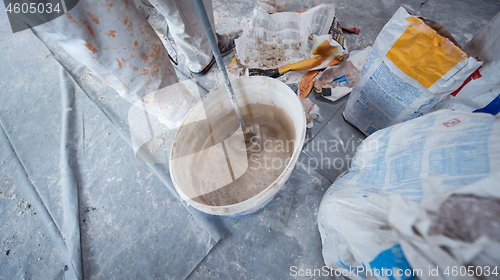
(76, 203)
(130, 224)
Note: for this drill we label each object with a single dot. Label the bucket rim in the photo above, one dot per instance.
(231, 209)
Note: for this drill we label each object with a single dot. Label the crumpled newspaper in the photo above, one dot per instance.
(287, 41)
(337, 81)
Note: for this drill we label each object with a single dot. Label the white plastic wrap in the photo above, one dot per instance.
(481, 91)
(119, 46)
(367, 217)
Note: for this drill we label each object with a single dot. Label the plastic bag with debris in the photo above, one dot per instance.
(273, 44)
(421, 199)
(337, 81)
(410, 68)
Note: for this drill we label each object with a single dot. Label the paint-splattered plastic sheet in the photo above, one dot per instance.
(75, 201)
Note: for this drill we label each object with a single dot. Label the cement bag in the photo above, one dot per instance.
(452, 235)
(409, 70)
(360, 218)
(481, 91)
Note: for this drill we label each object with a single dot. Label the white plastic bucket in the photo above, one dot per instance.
(248, 90)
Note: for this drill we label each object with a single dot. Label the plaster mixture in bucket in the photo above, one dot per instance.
(264, 166)
(209, 148)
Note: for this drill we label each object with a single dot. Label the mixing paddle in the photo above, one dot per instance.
(252, 134)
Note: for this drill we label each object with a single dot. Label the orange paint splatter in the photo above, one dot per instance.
(88, 27)
(144, 56)
(145, 72)
(111, 33)
(90, 30)
(90, 47)
(136, 44)
(119, 63)
(93, 18)
(68, 15)
(129, 27)
(109, 6)
(156, 49)
(136, 68)
(126, 2)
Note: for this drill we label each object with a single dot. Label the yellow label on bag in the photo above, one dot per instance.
(423, 54)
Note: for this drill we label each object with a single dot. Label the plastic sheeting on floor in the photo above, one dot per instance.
(130, 221)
